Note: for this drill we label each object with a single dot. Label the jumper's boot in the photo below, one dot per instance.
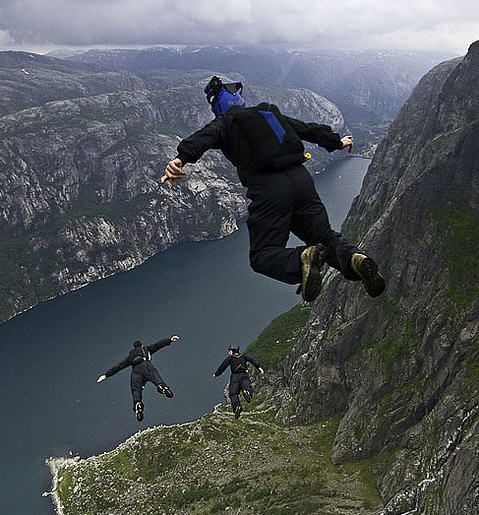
(367, 269)
(238, 411)
(163, 389)
(247, 395)
(139, 411)
(312, 259)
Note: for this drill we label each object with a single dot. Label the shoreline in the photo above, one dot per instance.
(54, 464)
(125, 268)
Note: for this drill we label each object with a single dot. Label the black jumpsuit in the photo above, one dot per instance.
(282, 201)
(239, 379)
(142, 370)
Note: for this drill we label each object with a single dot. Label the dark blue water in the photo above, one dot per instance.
(52, 355)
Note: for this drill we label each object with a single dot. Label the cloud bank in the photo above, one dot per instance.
(430, 25)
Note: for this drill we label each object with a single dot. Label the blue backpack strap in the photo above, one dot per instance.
(272, 141)
(275, 124)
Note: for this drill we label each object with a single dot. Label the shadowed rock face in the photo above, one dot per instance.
(79, 177)
(403, 369)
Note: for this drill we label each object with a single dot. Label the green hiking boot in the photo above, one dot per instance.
(367, 269)
(312, 259)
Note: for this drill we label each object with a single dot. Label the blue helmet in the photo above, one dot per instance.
(223, 96)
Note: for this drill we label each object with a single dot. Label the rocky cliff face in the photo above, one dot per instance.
(79, 177)
(403, 370)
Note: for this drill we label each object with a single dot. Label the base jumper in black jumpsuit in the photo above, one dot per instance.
(142, 371)
(239, 380)
(283, 200)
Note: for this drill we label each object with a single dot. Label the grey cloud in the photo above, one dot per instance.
(439, 25)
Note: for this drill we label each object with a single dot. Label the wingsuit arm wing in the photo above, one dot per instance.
(209, 137)
(322, 135)
(158, 345)
(113, 370)
(223, 366)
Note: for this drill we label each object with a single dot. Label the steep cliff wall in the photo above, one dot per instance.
(403, 370)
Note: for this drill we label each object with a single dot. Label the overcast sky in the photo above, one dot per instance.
(40, 25)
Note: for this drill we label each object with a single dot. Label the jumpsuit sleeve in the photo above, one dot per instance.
(210, 136)
(158, 345)
(251, 360)
(113, 370)
(223, 366)
(322, 135)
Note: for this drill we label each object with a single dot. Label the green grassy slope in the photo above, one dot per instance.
(216, 465)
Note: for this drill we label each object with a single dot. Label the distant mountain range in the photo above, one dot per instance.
(367, 85)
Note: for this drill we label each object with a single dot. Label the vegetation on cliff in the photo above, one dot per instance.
(216, 465)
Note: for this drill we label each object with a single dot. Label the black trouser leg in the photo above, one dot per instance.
(269, 225)
(234, 389)
(311, 224)
(246, 384)
(284, 202)
(137, 383)
(246, 388)
(152, 374)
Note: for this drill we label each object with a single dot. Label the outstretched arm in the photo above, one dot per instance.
(322, 135)
(193, 147)
(222, 367)
(255, 363)
(162, 343)
(113, 370)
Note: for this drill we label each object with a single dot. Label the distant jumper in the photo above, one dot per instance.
(266, 148)
(239, 380)
(142, 371)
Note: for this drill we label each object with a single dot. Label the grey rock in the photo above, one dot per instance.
(402, 370)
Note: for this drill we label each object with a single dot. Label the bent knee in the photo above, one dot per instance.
(256, 265)
(259, 262)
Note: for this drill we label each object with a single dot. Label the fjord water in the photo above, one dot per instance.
(52, 355)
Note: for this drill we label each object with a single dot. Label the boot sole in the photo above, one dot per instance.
(139, 414)
(164, 390)
(311, 286)
(373, 281)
